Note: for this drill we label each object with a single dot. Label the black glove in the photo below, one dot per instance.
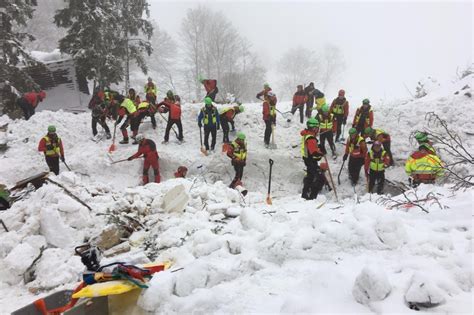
(344, 121)
(344, 157)
(130, 158)
(63, 159)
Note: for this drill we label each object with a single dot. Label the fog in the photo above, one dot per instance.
(386, 45)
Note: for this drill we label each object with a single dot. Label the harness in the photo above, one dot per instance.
(376, 164)
(52, 148)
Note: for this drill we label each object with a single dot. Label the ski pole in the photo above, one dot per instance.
(269, 198)
(340, 171)
(330, 178)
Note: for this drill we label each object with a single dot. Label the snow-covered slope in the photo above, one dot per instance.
(241, 255)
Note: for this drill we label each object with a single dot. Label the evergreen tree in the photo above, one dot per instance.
(98, 36)
(13, 14)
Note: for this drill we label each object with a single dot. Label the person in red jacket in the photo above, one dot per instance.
(227, 116)
(181, 172)
(52, 147)
(299, 99)
(327, 127)
(340, 109)
(29, 101)
(211, 88)
(375, 163)
(311, 154)
(364, 117)
(172, 104)
(268, 111)
(147, 148)
(134, 97)
(357, 149)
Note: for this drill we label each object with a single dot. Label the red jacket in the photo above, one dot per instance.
(268, 111)
(299, 98)
(264, 92)
(385, 161)
(147, 148)
(209, 85)
(42, 146)
(311, 143)
(357, 149)
(323, 120)
(229, 114)
(174, 108)
(337, 103)
(32, 98)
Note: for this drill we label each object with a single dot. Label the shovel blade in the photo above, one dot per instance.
(112, 148)
(203, 151)
(269, 200)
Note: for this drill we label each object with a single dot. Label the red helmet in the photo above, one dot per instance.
(324, 166)
(342, 93)
(42, 94)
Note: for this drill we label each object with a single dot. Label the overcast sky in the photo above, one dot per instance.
(385, 44)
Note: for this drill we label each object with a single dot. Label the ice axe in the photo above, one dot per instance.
(113, 147)
(269, 198)
(340, 171)
(203, 150)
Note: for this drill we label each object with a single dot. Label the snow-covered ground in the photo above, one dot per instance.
(241, 255)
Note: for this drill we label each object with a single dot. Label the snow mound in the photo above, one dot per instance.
(371, 285)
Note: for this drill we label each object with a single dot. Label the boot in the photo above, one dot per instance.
(124, 141)
(157, 178)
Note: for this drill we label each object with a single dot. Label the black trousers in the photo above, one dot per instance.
(268, 131)
(239, 173)
(26, 107)
(170, 124)
(355, 164)
(300, 108)
(53, 163)
(4, 204)
(225, 129)
(313, 182)
(101, 121)
(376, 178)
(339, 120)
(329, 136)
(309, 107)
(213, 131)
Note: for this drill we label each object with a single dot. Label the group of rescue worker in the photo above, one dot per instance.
(423, 166)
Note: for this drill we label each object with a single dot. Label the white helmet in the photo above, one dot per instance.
(139, 137)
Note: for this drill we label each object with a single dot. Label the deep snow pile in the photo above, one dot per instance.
(240, 255)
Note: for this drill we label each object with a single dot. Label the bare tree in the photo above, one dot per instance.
(297, 66)
(332, 65)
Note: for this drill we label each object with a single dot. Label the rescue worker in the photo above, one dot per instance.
(211, 88)
(52, 147)
(268, 110)
(311, 154)
(181, 172)
(364, 117)
(151, 91)
(147, 148)
(319, 99)
(309, 91)
(340, 109)
(299, 99)
(172, 104)
(127, 108)
(227, 116)
(29, 101)
(375, 163)
(357, 150)
(110, 98)
(423, 166)
(134, 97)
(422, 138)
(382, 137)
(210, 117)
(327, 127)
(4, 197)
(238, 153)
(99, 113)
(145, 109)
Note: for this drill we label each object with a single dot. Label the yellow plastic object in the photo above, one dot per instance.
(112, 287)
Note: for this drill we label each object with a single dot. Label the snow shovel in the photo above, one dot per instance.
(330, 178)
(113, 147)
(269, 198)
(273, 144)
(123, 160)
(339, 175)
(203, 150)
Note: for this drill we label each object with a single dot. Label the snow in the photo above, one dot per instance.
(238, 254)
